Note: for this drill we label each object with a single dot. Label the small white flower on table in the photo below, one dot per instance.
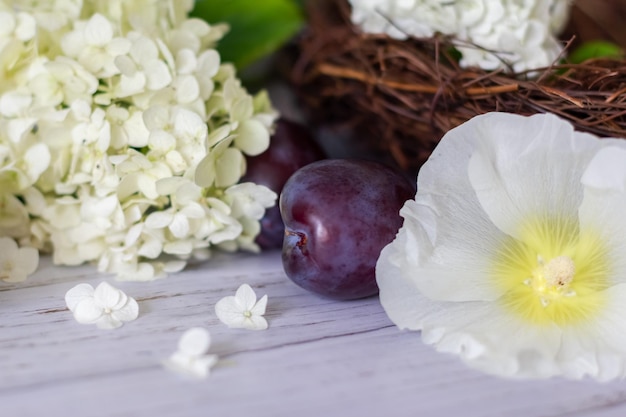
(106, 306)
(191, 358)
(242, 311)
(16, 263)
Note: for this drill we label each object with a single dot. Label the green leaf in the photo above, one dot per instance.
(258, 27)
(595, 49)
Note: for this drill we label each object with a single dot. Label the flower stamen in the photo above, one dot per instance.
(552, 280)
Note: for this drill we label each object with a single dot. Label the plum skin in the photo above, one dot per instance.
(291, 147)
(338, 216)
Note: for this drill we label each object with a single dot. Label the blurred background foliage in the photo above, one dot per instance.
(257, 27)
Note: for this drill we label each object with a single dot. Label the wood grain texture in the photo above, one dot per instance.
(318, 358)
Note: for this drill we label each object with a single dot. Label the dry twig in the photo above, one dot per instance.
(404, 95)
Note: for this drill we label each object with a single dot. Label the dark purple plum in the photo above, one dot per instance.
(291, 147)
(338, 215)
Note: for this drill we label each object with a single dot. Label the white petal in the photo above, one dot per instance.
(179, 247)
(202, 365)
(447, 235)
(252, 137)
(108, 322)
(597, 349)
(159, 219)
(255, 323)
(197, 367)
(604, 203)
(246, 296)
(98, 31)
(187, 89)
(28, 259)
(607, 170)
(228, 167)
(195, 342)
(485, 336)
(398, 293)
(128, 312)
(107, 295)
(174, 266)
(526, 166)
(179, 226)
(8, 246)
(205, 172)
(76, 294)
(259, 307)
(126, 65)
(229, 312)
(151, 248)
(158, 75)
(87, 311)
(186, 61)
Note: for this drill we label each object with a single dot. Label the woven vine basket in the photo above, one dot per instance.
(401, 96)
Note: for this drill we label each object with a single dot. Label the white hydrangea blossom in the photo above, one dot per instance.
(191, 357)
(123, 135)
(492, 34)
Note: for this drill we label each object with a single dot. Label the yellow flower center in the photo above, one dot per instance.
(554, 273)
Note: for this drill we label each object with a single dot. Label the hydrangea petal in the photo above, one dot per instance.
(260, 306)
(98, 31)
(228, 311)
(202, 365)
(255, 322)
(228, 167)
(107, 295)
(128, 312)
(28, 259)
(87, 311)
(252, 137)
(108, 322)
(198, 367)
(194, 342)
(76, 294)
(245, 297)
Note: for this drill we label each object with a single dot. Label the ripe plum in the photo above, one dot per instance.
(338, 215)
(291, 147)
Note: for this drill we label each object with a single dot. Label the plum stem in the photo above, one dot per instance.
(302, 239)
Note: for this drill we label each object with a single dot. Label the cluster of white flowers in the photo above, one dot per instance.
(122, 136)
(492, 34)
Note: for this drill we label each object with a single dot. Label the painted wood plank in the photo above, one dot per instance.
(319, 357)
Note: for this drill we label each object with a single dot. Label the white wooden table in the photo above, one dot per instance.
(318, 358)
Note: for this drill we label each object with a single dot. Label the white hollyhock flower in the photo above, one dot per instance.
(512, 253)
(106, 306)
(16, 263)
(191, 358)
(242, 311)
